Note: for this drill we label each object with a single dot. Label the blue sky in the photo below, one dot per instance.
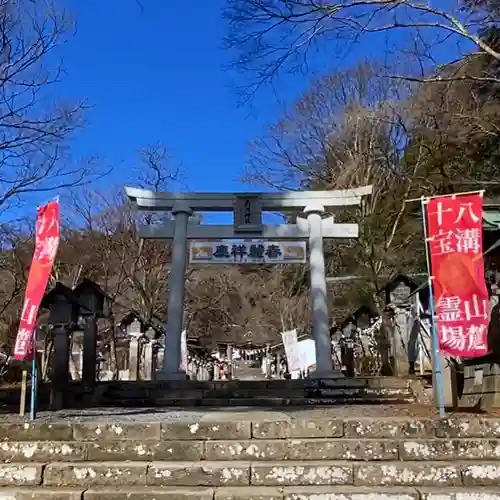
(155, 75)
(152, 70)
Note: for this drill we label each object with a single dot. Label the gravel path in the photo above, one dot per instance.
(240, 413)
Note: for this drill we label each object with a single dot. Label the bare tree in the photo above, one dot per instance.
(158, 169)
(352, 129)
(34, 154)
(245, 304)
(355, 128)
(15, 254)
(457, 123)
(132, 270)
(274, 36)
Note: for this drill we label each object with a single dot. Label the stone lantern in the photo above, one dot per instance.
(96, 305)
(64, 309)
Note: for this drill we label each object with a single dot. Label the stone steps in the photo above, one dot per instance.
(241, 473)
(246, 493)
(184, 393)
(191, 402)
(284, 450)
(248, 455)
(258, 393)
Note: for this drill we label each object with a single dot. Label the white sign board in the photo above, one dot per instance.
(253, 252)
(307, 353)
(292, 353)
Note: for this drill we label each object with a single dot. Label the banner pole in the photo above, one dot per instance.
(34, 379)
(436, 363)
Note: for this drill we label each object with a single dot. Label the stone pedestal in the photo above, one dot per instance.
(491, 386)
(89, 363)
(399, 343)
(147, 367)
(481, 385)
(60, 367)
(164, 376)
(148, 370)
(133, 363)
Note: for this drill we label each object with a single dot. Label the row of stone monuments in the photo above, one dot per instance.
(144, 358)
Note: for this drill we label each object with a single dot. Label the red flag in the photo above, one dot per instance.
(455, 235)
(46, 245)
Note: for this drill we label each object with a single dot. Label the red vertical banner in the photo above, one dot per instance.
(455, 237)
(46, 245)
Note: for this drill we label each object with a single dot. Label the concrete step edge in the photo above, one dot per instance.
(351, 439)
(250, 493)
(408, 398)
(262, 450)
(217, 464)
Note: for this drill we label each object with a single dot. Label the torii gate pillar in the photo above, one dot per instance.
(175, 312)
(319, 298)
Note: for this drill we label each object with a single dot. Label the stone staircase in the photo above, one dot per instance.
(243, 371)
(233, 393)
(252, 455)
(266, 393)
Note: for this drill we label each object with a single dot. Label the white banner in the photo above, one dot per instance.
(184, 352)
(292, 353)
(248, 252)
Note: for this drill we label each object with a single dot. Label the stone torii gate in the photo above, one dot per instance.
(247, 209)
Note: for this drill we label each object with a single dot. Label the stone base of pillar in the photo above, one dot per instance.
(327, 374)
(161, 375)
